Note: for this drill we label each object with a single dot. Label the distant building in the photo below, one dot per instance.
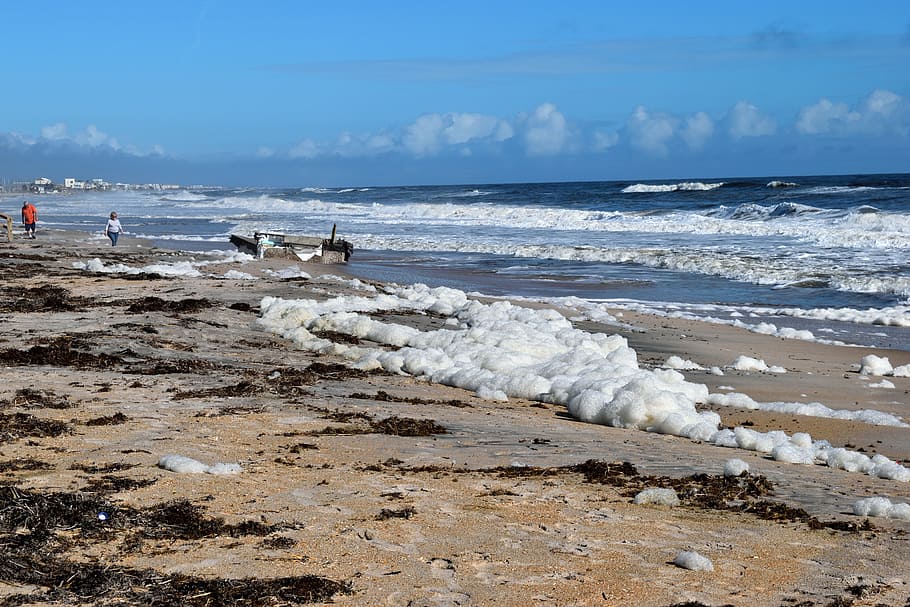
(42, 185)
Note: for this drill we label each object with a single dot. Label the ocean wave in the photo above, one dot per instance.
(842, 189)
(782, 184)
(741, 266)
(183, 196)
(688, 186)
(757, 212)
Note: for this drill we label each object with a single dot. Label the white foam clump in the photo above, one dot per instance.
(689, 559)
(747, 363)
(880, 365)
(735, 467)
(180, 268)
(675, 362)
(238, 275)
(657, 495)
(504, 350)
(289, 272)
(187, 465)
(885, 384)
(875, 365)
(883, 507)
(813, 409)
(522, 352)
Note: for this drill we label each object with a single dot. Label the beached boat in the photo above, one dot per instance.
(304, 248)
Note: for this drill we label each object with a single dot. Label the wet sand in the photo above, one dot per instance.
(376, 489)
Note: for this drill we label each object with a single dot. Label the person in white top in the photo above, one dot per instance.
(113, 229)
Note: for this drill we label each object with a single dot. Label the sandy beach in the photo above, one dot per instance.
(369, 488)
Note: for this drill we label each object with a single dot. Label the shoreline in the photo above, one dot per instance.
(490, 511)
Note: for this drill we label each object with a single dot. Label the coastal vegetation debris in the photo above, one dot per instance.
(108, 420)
(20, 425)
(383, 396)
(45, 298)
(243, 388)
(745, 493)
(279, 542)
(165, 367)
(337, 337)
(303, 447)
(36, 528)
(115, 484)
(29, 398)
(387, 513)
(142, 276)
(23, 463)
(103, 468)
(157, 304)
(392, 425)
(59, 352)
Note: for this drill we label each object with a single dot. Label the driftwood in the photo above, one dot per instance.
(9, 226)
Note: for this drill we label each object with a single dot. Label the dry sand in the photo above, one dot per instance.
(375, 489)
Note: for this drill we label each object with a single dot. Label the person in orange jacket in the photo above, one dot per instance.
(29, 218)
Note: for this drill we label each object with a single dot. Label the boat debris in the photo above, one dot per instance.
(304, 248)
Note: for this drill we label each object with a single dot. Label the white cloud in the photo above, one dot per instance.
(423, 137)
(745, 120)
(54, 132)
(265, 152)
(650, 132)
(604, 141)
(93, 137)
(462, 128)
(880, 112)
(699, 128)
(431, 132)
(548, 132)
(823, 117)
(351, 146)
(307, 148)
(882, 102)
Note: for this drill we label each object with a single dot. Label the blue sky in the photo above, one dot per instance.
(297, 93)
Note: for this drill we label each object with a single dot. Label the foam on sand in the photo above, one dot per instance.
(501, 350)
(187, 465)
(881, 506)
(689, 559)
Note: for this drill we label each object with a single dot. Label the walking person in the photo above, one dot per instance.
(113, 229)
(29, 218)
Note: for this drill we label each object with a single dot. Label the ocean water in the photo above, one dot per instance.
(819, 257)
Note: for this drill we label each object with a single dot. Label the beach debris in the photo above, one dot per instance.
(108, 420)
(187, 465)
(30, 398)
(304, 248)
(45, 298)
(20, 425)
(392, 425)
(657, 496)
(689, 559)
(35, 526)
(59, 352)
(387, 513)
(882, 507)
(157, 304)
